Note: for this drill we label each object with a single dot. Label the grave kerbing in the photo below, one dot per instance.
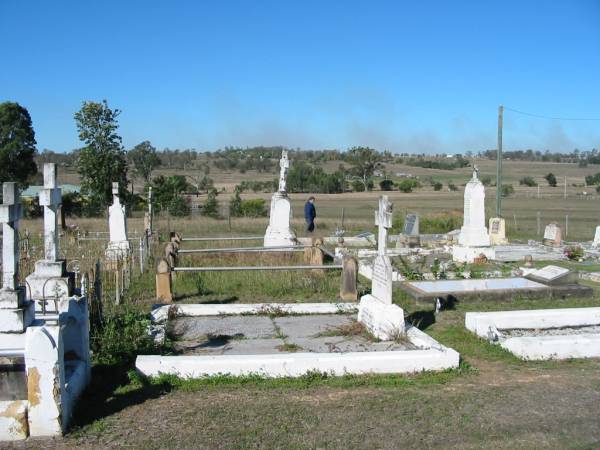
(279, 231)
(376, 311)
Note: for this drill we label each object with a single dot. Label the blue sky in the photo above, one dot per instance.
(420, 76)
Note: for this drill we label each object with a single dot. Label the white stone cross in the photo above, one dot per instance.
(10, 213)
(383, 219)
(50, 199)
(284, 163)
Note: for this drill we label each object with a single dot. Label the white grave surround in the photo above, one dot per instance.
(53, 381)
(490, 326)
(118, 245)
(279, 232)
(596, 241)
(430, 355)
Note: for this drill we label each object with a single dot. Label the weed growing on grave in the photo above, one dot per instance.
(286, 347)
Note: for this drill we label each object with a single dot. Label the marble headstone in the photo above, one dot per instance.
(474, 232)
(552, 235)
(596, 242)
(376, 311)
(119, 245)
(279, 231)
(497, 231)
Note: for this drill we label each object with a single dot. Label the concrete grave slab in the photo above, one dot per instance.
(311, 326)
(190, 328)
(543, 333)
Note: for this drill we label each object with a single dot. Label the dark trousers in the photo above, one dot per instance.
(310, 227)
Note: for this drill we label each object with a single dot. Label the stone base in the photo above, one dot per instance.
(551, 243)
(16, 320)
(384, 321)
(279, 237)
(118, 250)
(50, 280)
(12, 298)
(474, 237)
(468, 254)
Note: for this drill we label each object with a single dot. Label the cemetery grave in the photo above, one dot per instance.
(269, 341)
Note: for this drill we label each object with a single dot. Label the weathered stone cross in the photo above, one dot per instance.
(10, 213)
(50, 199)
(383, 219)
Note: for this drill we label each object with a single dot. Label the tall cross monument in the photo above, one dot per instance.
(10, 214)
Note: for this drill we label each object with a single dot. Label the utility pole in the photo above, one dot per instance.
(499, 165)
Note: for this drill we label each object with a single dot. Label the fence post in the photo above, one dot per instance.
(566, 225)
(164, 289)
(538, 223)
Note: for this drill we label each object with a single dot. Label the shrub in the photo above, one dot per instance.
(211, 206)
(358, 186)
(254, 208)
(386, 185)
(528, 181)
(551, 179)
(486, 180)
(407, 185)
(235, 204)
(31, 207)
(507, 189)
(120, 336)
(178, 207)
(452, 187)
(437, 186)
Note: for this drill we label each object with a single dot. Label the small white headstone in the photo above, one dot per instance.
(552, 235)
(497, 231)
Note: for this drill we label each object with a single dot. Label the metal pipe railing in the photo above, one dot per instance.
(240, 238)
(244, 249)
(231, 268)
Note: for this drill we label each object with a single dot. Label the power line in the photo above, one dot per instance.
(539, 116)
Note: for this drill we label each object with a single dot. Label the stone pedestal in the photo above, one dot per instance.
(384, 321)
(279, 232)
(50, 281)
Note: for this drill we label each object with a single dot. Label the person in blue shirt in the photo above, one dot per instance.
(309, 214)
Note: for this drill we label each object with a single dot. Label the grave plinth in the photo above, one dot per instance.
(279, 231)
(376, 312)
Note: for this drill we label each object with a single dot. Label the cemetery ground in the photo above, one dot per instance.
(493, 400)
